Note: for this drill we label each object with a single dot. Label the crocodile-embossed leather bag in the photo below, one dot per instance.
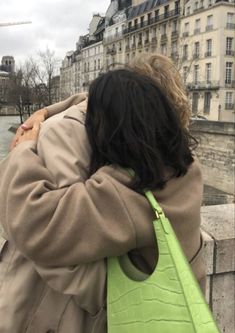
(168, 301)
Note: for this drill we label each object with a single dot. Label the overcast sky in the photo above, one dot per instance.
(56, 24)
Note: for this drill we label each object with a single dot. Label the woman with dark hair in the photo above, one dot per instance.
(130, 124)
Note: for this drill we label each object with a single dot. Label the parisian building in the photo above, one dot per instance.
(153, 26)
(207, 57)
(83, 65)
(198, 35)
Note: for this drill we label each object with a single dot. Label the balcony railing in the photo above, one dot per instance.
(140, 44)
(174, 34)
(230, 25)
(197, 31)
(230, 83)
(203, 85)
(230, 53)
(163, 38)
(209, 27)
(127, 48)
(111, 51)
(185, 34)
(207, 54)
(167, 15)
(133, 46)
(196, 56)
(198, 9)
(112, 38)
(185, 57)
(229, 106)
(146, 42)
(154, 40)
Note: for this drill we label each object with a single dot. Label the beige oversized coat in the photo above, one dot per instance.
(61, 225)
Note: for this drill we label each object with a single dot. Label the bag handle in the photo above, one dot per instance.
(154, 204)
(151, 199)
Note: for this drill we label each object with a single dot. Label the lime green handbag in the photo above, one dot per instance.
(168, 301)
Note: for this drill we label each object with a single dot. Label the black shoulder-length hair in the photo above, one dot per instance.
(131, 123)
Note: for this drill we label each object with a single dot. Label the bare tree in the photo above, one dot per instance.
(31, 86)
(45, 68)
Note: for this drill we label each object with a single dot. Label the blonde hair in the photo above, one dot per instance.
(162, 70)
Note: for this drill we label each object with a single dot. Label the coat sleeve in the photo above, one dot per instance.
(68, 226)
(64, 105)
(66, 156)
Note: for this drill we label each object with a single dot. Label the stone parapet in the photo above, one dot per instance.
(216, 153)
(218, 229)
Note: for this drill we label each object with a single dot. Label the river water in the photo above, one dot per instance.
(5, 135)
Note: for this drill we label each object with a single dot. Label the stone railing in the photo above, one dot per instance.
(218, 228)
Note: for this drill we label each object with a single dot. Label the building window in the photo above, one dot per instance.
(196, 50)
(166, 11)
(149, 18)
(185, 52)
(207, 102)
(208, 48)
(174, 26)
(136, 23)
(196, 5)
(163, 49)
(188, 10)
(209, 3)
(197, 26)
(98, 63)
(229, 46)
(230, 17)
(229, 105)
(196, 73)
(177, 3)
(95, 65)
(133, 41)
(142, 21)
(156, 14)
(195, 102)
(186, 29)
(208, 73)
(228, 73)
(185, 73)
(209, 23)
(174, 48)
(164, 29)
(230, 21)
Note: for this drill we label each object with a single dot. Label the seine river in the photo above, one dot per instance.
(5, 135)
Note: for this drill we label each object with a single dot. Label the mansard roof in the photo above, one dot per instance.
(144, 7)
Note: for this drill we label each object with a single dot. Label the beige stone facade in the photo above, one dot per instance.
(153, 28)
(114, 46)
(207, 51)
(92, 64)
(67, 84)
(198, 35)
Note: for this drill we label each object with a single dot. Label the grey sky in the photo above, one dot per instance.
(56, 24)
